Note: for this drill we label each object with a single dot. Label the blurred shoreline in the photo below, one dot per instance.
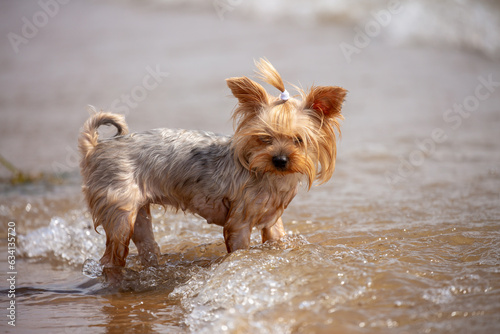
(458, 24)
(100, 53)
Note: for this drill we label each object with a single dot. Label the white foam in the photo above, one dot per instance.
(70, 243)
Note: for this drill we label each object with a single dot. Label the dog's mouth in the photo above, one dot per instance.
(280, 163)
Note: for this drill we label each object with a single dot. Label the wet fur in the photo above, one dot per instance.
(231, 181)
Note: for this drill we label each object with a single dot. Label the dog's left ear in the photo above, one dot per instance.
(251, 95)
(326, 100)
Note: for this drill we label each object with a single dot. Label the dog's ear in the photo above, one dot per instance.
(325, 100)
(249, 93)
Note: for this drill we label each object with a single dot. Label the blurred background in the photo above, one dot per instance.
(398, 59)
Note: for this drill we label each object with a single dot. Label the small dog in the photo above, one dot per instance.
(238, 182)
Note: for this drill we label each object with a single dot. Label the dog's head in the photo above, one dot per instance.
(283, 135)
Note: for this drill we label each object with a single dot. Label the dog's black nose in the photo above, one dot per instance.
(280, 161)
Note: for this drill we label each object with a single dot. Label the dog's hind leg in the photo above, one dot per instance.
(118, 230)
(144, 239)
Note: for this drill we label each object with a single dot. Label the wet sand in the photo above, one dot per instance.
(405, 235)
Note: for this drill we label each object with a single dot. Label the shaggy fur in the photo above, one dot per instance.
(238, 182)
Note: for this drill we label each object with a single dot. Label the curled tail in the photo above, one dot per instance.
(88, 139)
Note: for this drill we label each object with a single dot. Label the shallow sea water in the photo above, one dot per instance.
(418, 257)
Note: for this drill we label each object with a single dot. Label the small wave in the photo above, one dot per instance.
(464, 285)
(460, 24)
(471, 25)
(243, 292)
(70, 242)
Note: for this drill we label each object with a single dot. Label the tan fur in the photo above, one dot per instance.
(238, 182)
(268, 74)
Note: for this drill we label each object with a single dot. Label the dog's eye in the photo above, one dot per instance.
(268, 140)
(298, 141)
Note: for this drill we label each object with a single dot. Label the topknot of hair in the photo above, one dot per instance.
(267, 73)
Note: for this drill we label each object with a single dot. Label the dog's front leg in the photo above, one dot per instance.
(237, 234)
(273, 233)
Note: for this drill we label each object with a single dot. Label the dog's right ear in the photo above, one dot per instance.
(249, 93)
(326, 100)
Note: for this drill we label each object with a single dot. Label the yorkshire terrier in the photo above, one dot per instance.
(238, 182)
